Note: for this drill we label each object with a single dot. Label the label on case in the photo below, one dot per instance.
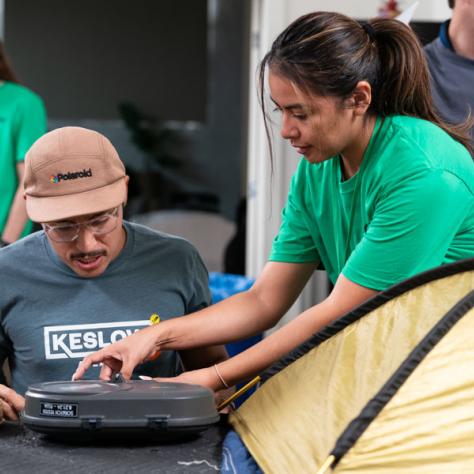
(59, 410)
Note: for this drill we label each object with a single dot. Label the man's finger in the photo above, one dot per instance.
(18, 402)
(8, 411)
(12, 398)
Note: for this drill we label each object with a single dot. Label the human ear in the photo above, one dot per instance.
(361, 97)
(127, 179)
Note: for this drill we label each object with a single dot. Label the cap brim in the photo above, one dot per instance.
(55, 208)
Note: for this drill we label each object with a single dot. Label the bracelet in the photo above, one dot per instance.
(220, 376)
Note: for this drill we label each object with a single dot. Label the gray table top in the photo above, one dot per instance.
(25, 452)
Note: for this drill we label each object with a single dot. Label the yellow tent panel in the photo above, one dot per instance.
(428, 426)
(321, 403)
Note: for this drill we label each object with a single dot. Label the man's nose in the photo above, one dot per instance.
(86, 239)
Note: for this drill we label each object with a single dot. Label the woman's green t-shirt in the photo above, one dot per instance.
(22, 122)
(410, 207)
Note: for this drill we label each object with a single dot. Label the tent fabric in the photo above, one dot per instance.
(357, 427)
(367, 307)
(293, 421)
(429, 425)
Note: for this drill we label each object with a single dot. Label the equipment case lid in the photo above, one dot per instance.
(96, 406)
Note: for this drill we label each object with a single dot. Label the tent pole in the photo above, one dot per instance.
(327, 464)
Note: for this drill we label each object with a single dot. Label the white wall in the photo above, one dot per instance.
(266, 191)
(427, 10)
(2, 17)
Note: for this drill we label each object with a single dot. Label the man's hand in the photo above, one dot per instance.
(12, 403)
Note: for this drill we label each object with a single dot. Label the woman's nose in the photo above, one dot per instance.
(288, 129)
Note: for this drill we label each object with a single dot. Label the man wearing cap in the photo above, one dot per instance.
(89, 278)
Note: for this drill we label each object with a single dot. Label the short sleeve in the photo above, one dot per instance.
(200, 295)
(30, 125)
(5, 346)
(413, 226)
(294, 242)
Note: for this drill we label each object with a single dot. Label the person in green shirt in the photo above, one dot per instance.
(22, 121)
(384, 190)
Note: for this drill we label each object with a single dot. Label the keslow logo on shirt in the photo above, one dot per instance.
(79, 340)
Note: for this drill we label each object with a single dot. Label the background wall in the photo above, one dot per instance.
(2, 15)
(184, 62)
(429, 10)
(90, 55)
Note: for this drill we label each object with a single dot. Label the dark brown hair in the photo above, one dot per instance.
(451, 3)
(6, 71)
(328, 54)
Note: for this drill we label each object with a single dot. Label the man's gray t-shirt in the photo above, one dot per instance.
(452, 82)
(51, 317)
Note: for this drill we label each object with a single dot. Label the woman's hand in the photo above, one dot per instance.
(206, 378)
(11, 403)
(122, 356)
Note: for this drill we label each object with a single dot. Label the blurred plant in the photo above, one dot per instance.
(152, 136)
(159, 181)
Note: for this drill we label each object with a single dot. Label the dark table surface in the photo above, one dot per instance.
(25, 452)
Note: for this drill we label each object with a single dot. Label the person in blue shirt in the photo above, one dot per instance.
(450, 60)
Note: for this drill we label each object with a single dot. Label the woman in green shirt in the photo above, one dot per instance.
(384, 190)
(22, 121)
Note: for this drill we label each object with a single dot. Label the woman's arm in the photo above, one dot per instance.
(17, 216)
(193, 359)
(235, 318)
(345, 296)
(274, 292)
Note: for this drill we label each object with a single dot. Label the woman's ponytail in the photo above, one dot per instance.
(402, 74)
(403, 83)
(328, 54)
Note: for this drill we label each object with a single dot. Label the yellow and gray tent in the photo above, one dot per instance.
(388, 388)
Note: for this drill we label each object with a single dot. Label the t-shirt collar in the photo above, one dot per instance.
(444, 35)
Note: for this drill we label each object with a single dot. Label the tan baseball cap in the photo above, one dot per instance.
(72, 171)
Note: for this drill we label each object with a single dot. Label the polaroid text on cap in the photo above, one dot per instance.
(66, 176)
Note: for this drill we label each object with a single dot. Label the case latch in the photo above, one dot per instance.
(159, 422)
(91, 424)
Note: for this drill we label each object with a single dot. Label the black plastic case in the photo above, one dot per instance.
(96, 407)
